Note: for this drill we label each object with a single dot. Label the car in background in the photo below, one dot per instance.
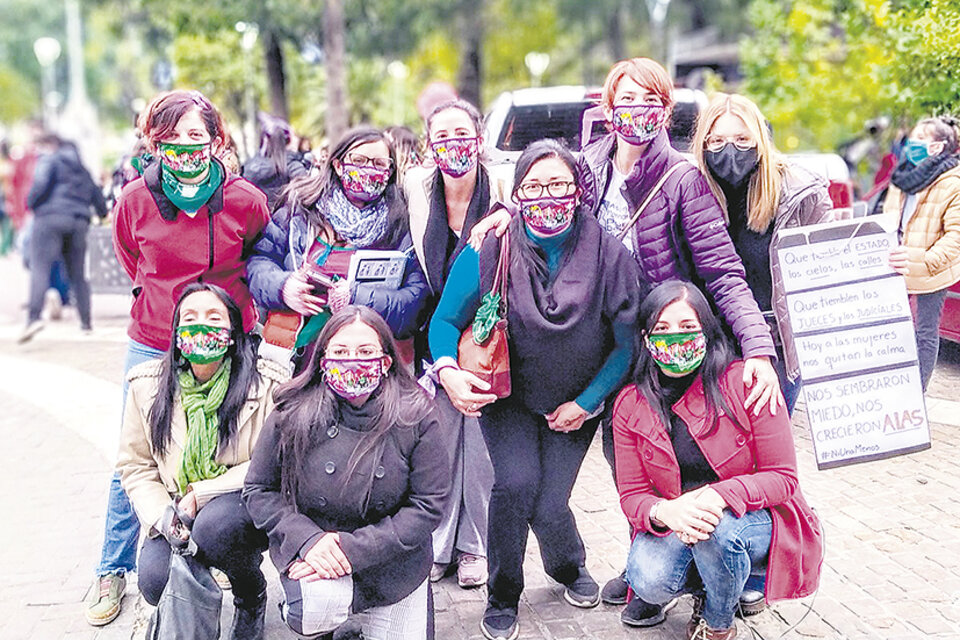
(572, 114)
(950, 320)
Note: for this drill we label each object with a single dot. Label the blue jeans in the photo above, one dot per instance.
(660, 569)
(790, 390)
(926, 321)
(122, 529)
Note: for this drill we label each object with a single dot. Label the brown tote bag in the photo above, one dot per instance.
(483, 348)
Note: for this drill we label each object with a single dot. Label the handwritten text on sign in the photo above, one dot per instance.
(854, 338)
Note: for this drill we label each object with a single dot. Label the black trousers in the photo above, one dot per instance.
(59, 237)
(226, 539)
(534, 472)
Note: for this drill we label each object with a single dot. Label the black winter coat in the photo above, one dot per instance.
(386, 533)
(61, 185)
(260, 171)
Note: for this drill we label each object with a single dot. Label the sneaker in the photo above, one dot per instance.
(751, 603)
(615, 591)
(53, 305)
(500, 624)
(696, 617)
(439, 571)
(638, 613)
(103, 601)
(471, 571)
(704, 632)
(584, 592)
(31, 330)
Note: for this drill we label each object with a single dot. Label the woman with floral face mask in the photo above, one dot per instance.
(187, 219)
(445, 201)
(298, 269)
(761, 193)
(710, 488)
(572, 299)
(190, 424)
(348, 480)
(923, 204)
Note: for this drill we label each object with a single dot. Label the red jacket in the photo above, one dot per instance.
(163, 249)
(756, 467)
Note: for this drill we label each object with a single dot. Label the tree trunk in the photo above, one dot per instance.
(469, 76)
(333, 46)
(615, 32)
(276, 81)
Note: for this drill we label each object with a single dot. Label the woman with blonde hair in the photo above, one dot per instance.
(760, 193)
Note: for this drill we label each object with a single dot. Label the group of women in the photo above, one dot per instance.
(363, 487)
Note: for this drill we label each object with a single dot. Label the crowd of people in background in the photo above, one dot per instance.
(271, 397)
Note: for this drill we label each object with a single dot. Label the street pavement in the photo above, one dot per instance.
(892, 527)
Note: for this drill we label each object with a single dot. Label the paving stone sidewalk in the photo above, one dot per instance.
(892, 567)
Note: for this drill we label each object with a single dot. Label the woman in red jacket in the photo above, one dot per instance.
(710, 488)
(187, 219)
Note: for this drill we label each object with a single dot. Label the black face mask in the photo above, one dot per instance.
(732, 166)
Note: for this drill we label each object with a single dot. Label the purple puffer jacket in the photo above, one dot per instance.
(682, 233)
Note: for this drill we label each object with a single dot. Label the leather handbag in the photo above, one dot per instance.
(484, 350)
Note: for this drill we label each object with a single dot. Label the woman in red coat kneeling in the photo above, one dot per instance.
(710, 487)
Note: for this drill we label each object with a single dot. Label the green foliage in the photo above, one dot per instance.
(19, 98)
(819, 69)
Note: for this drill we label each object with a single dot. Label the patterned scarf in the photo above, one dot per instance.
(912, 179)
(200, 402)
(360, 227)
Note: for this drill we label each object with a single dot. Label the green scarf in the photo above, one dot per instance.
(200, 402)
(190, 197)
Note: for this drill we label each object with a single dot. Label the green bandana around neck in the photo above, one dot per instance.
(201, 401)
(677, 353)
(190, 197)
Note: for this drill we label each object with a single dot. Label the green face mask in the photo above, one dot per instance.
(202, 343)
(185, 161)
(677, 353)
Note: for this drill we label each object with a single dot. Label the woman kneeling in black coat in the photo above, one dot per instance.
(349, 479)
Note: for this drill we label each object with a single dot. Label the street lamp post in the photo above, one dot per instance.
(398, 72)
(47, 51)
(248, 39)
(536, 64)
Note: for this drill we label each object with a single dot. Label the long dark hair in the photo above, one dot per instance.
(718, 358)
(306, 407)
(274, 138)
(243, 374)
(526, 258)
(310, 191)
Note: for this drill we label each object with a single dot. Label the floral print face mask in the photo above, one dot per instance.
(677, 353)
(640, 123)
(202, 343)
(548, 216)
(364, 183)
(185, 161)
(455, 156)
(351, 378)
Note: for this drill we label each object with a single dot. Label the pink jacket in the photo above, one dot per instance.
(756, 465)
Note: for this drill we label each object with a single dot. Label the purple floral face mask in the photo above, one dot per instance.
(548, 216)
(351, 378)
(455, 156)
(640, 123)
(364, 183)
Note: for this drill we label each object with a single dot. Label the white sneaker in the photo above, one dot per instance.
(31, 330)
(52, 305)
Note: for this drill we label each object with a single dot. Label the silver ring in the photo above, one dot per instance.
(473, 407)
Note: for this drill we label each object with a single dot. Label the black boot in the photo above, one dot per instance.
(248, 618)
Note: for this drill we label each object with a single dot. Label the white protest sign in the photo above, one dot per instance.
(854, 338)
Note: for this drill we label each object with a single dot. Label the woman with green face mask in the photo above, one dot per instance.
(709, 487)
(186, 219)
(191, 421)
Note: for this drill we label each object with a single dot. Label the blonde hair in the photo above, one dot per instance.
(763, 192)
(647, 73)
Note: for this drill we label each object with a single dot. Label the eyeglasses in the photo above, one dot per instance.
(362, 161)
(362, 353)
(558, 189)
(742, 142)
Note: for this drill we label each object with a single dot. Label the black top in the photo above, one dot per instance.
(384, 512)
(753, 248)
(62, 186)
(695, 471)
